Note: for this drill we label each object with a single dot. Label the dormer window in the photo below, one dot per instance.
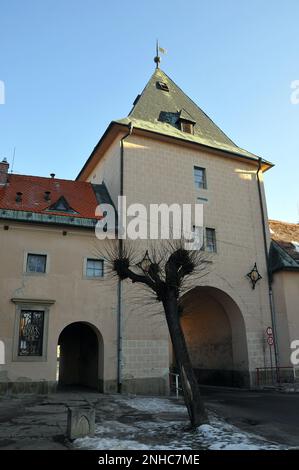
(61, 205)
(187, 126)
(186, 122)
(163, 86)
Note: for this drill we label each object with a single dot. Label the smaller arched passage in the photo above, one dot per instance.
(80, 358)
(215, 334)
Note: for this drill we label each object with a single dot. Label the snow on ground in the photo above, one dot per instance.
(162, 424)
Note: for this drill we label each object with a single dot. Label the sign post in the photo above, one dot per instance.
(270, 341)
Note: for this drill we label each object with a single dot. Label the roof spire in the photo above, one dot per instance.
(159, 49)
(157, 59)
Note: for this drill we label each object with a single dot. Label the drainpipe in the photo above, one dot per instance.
(269, 277)
(119, 283)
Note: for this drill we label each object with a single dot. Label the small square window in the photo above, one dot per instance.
(36, 263)
(210, 244)
(200, 179)
(31, 332)
(94, 268)
(187, 127)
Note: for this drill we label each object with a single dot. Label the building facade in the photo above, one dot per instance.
(284, 266)
(62, 317)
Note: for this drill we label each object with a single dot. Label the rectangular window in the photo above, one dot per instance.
(94, 268)
(36, 263)
(31, 332)
(187, 127)
(200, 180)
(210, 244)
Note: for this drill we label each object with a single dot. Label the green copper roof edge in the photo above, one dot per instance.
(286, 262)
(98, 145)
(126, 122)
(33, 217)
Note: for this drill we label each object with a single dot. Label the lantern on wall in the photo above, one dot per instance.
(254, 276)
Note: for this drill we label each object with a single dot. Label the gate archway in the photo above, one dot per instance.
(80, 361)
(215, 333)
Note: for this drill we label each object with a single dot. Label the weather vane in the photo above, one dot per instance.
(161, 50)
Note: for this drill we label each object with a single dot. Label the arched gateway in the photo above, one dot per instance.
(214, 329)
(80, 357)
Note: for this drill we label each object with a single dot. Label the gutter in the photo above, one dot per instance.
(180, 139)
(119, 284)
(209, 147)
(269, 276)
(49, 219)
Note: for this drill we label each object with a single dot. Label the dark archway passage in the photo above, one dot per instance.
(79, 356)
(215, 334)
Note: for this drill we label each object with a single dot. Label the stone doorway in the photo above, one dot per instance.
(78, 357)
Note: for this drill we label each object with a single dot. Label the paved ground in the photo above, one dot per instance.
(39, 422)
(270, 414)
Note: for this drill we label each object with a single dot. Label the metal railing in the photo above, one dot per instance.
(276, 376)
(175, 384)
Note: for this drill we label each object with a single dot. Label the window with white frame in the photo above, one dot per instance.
(94, 268)
(200, 179)
(36, 263)
(210, 242)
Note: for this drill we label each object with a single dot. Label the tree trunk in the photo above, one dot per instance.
(189, 382)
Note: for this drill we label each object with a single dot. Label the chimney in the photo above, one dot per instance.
(3, 172)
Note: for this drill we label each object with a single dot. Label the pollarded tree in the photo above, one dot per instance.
(164, 271)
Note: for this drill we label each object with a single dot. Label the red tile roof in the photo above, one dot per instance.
(79, 195)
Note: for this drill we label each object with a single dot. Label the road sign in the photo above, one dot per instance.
(270, 340)
(269, 331)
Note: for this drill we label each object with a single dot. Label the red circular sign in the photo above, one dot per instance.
(269, 331)
(270, 340)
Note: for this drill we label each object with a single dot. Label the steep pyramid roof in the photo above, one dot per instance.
(160, 109)
(162, 104)
(156, 104)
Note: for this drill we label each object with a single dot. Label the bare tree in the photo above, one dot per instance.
(165, 271)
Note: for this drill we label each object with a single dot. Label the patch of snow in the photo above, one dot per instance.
(296, 246)
(163, 425)
(220, 435)
(155, 405)
(109, 444)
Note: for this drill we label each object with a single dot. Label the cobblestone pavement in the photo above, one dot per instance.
(39, 422)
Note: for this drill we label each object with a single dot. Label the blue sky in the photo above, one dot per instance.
(70, 67)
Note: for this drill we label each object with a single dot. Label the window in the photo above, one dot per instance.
(187, 127)
(94, 268)
(200, 180)
(210, 244)
(31, 330)
(36, 263)
(163, 86)
(198, 241)
(61, 205)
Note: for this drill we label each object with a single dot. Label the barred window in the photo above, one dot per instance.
(200, 180)
(210, 244)
(31, 331)
(94, 268)
(36, 263)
